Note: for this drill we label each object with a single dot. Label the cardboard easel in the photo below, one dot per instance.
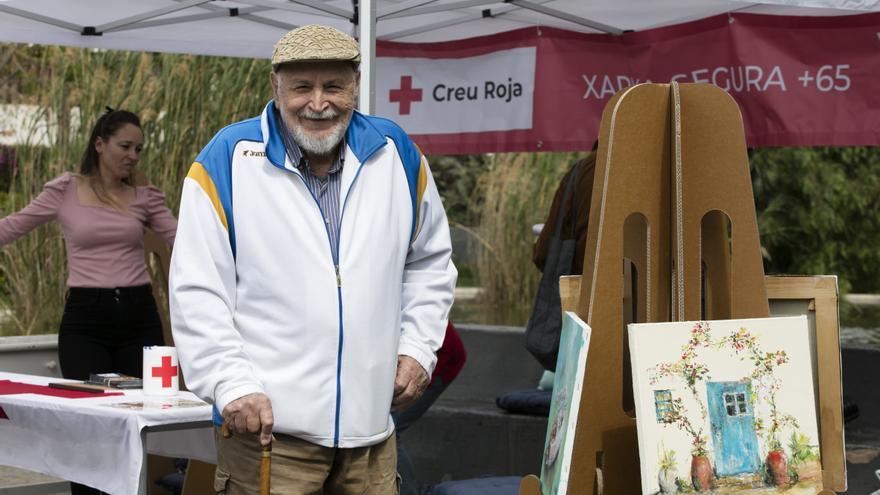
(672, 194)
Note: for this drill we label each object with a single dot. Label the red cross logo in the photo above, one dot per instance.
(405, 95)
(166, 371)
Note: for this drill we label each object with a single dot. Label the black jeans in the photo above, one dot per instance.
(105, 330)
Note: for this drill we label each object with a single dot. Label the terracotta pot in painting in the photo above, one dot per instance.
(702, 475)
(777, 468)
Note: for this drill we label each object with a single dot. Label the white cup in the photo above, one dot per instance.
(161, 371)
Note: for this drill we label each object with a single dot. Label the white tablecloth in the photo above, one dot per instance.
(89, 441)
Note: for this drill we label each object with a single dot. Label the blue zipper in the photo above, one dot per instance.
(339, 292)
(335, 257)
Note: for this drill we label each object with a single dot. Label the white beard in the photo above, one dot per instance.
(320, 146)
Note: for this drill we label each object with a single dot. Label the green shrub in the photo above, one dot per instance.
(818, 214)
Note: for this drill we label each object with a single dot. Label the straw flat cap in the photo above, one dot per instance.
(315, 43)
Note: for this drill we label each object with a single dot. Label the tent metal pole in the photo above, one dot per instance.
(565, 16)
(268, 22)
(223, 12)
(402, 7)
(111, 26)
(367, 37)
(249, 14)
(429, 27)
(508, 8)
(430, 9)
(40, 18)
(298, 4)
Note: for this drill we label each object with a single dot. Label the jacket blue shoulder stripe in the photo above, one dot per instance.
(216, 159)
(365, 136)
(362, 136)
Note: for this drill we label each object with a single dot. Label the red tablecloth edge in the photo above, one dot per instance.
(8, 387)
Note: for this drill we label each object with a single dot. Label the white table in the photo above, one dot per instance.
(93, 442)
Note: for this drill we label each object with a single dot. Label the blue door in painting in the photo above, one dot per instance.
(733, 428)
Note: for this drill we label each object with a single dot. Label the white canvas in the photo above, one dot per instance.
(568, 383)
(726, 405)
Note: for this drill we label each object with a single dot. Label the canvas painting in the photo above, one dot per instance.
(726, 406)
(567, 387)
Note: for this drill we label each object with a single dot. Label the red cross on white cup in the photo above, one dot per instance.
(160, 370)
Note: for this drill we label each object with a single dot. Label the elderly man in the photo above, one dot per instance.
(311, 279)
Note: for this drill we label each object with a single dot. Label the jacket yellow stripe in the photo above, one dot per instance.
(421, 185)
(423, 181)
(198, 173)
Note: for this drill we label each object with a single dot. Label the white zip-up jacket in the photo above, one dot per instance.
(258, 304)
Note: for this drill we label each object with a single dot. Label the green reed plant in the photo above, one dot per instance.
(183, 100)
(516, 193)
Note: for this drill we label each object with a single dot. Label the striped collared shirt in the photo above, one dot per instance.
(326, 190)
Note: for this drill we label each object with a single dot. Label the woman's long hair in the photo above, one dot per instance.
(105, 127)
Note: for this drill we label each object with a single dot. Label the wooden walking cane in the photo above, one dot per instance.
(265, 461)
(266, 468)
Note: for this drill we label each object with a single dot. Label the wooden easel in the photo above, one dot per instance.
(673, 195)
(820, 294)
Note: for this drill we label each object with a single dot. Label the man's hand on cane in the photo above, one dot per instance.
(409, 384)
(250, 414)
(253, 414)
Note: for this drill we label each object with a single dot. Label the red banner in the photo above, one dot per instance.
(799, 81)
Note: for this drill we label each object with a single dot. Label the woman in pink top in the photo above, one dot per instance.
(110, 314)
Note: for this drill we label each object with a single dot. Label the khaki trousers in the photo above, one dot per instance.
(303, 468)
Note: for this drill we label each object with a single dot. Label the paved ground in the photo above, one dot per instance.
(12, 477)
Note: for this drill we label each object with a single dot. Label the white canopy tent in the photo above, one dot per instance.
(249, 28)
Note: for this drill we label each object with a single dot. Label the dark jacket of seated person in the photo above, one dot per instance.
(577, 210)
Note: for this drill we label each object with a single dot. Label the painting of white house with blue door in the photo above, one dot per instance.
(726, 406)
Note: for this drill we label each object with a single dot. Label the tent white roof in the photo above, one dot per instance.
(249, 28)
